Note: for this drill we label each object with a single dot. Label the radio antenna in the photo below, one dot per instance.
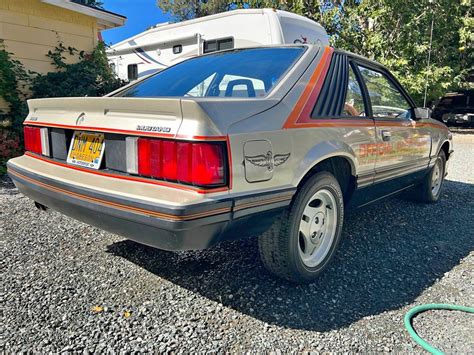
(429, 54)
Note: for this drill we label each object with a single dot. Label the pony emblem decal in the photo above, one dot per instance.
(268, 160)
(80, 118)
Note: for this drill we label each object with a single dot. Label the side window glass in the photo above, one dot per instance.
(386, 100)
(354, 104)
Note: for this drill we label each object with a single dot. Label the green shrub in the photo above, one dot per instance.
(91, 76)
(10, 147)
(13, 80)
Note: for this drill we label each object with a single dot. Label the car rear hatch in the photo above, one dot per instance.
(119, 115)
(135, 137)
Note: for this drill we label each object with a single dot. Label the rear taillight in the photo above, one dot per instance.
(36, 140)
(194, 163)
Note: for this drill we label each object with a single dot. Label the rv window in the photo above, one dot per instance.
(132, 72)
(226, 43)
(218, 44)
(177, 49)
(240, 73)
(210, 46)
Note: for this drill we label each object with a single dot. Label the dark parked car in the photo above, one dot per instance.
(456, 108)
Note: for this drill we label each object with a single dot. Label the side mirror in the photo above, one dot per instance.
(422, 113)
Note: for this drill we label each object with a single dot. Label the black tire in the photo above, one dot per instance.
(426, 193)
(279, 246)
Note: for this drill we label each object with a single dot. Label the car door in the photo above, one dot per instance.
(403, 148)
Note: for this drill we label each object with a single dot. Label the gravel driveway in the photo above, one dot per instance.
(67, 286)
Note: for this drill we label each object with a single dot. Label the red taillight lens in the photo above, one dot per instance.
(185, 168)
(195, 163)
(170, 160)
(156, 159)
(144, 156)
(33, 139)
(149, 157)
(208, 164)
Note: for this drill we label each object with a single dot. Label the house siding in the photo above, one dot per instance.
(30, 28)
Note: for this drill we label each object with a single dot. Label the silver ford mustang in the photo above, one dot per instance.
(272, 141)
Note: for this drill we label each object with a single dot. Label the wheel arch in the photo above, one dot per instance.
(446, 147)
(341, 165)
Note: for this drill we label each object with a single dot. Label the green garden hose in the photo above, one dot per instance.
(426, 307)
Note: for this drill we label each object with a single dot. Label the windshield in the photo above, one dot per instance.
(241, 73)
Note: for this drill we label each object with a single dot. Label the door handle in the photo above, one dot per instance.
(386, 135)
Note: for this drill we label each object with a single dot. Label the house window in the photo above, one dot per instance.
(132, 72)
(218, 44)
(177, 49)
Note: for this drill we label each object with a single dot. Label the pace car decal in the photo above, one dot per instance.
(268, 160)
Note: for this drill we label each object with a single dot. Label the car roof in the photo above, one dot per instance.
(359, 57)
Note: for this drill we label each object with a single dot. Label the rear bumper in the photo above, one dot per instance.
(197, 226)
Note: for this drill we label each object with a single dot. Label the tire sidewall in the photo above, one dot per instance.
(319, 181)
(441, 157)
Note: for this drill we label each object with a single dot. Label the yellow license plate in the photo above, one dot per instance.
(87, 149)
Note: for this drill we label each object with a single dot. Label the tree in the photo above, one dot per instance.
(185, 10)
(393, 32)
(94, 3)
(397, 32)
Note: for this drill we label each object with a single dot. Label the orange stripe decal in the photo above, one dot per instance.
(125, 131)
(262, 203)
(146, 212)
(127, 208)
(311, 91)
(128, 178)
(300, 116)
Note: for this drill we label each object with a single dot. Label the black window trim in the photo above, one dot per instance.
(384, 71)
(367, 107)
(365, 93)
(330, 98)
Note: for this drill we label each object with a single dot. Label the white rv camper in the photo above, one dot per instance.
(167, 44)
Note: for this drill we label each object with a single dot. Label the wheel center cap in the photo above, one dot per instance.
(318, 221)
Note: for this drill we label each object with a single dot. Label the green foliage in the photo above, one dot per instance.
(10, 146)
(185, 10)
(393, 32)
(90, 76)
(13, 78)
(397, 33)
(94, 3)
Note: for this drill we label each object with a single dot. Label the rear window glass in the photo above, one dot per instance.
(242, 73)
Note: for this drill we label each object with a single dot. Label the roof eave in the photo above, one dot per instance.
(105, 19)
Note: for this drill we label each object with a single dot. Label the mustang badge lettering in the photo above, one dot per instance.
(153, 129)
